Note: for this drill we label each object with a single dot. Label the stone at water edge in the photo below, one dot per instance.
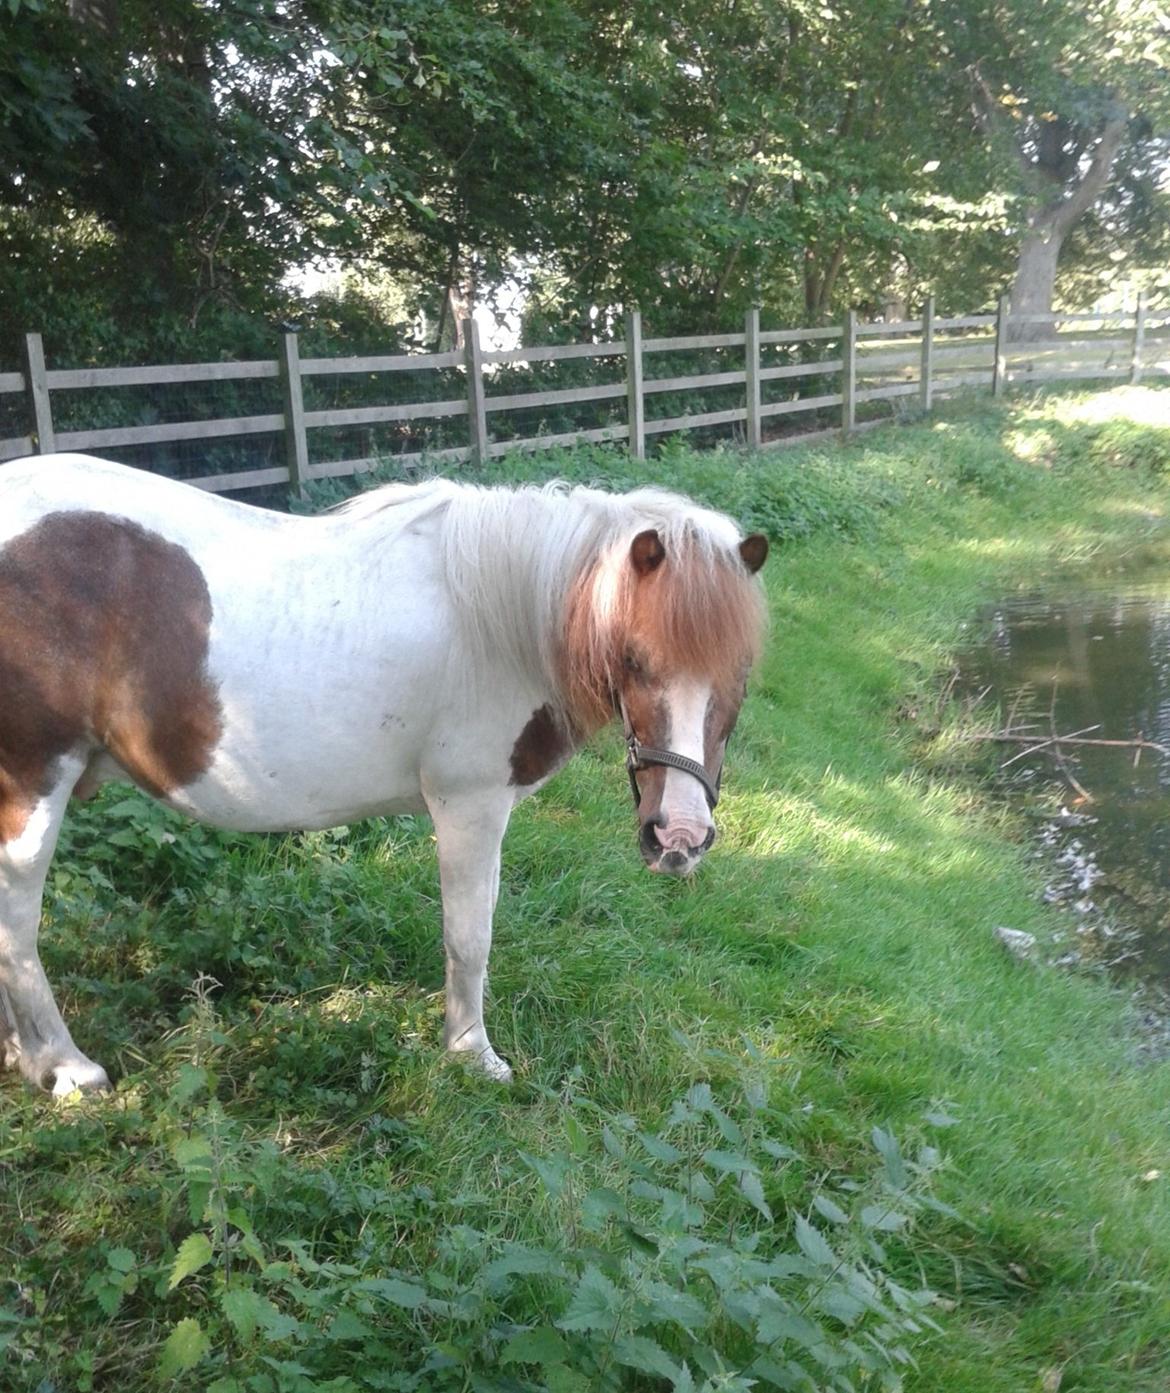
(1018, 943)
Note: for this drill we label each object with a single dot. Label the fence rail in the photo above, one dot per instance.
(926, 358)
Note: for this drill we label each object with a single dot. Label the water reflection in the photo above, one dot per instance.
(1101, 659)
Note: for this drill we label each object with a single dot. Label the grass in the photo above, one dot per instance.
(824, 1002)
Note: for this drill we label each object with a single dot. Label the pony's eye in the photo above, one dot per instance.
(632, 665)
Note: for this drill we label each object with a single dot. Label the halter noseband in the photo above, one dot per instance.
(639, 757)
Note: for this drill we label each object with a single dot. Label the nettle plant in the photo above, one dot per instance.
(697, 1257)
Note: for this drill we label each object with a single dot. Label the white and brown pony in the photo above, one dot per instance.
(439, 647)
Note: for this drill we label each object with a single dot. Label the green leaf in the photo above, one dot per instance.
(195, 1252)
(399, 1293)
(833, 1212)
(612, 1143)
(346, 1326)
(882, 1218)
(835, 1301)
(185, 1347)
(700, 1187)
(779, 1150)
(198, 1195)
(551, 1169)
(812, 1243)
(191, 1080)
(786, 1376)
(684, 1380)
(109, 1297)
(516, 1258)
(248, 1312)
(641, 1353)
(778, 1322)
(121, 1259)
(244, 1309)
(700, 1097)
(562, 1380)
(193, 1153)
(680, 1307)
(637, 1239)
(594, 1305)
(756, 1095)
(678, 1212)
(659, 1149)
(540, 1345)
(891, 1153)
(938, 1118)
(577, 1135)
(753, 1192)
(731, 1162)
(601, 1205)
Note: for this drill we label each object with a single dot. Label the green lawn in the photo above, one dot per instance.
(757, 1114)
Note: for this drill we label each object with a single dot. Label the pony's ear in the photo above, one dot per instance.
(647, 552)
(754, 550)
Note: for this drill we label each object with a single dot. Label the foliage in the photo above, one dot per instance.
(289, 1174)
(661, 1256)
(688, 160)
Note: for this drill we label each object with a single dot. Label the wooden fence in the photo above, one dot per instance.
(917, 360)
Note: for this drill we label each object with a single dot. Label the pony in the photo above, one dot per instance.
(438, 647)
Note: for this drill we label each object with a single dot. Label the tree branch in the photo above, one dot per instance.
(1096, 177)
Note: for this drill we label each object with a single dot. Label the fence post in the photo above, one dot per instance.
(926, 375)
(296, 444)
(751, 349)
(999, 377)
(476, 410)
(849, 375)
(635, 404)
(37, 380)
(1139, 338)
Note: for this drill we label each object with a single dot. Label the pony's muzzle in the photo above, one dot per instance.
(673, 850)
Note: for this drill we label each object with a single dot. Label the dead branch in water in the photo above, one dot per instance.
(1039, 743)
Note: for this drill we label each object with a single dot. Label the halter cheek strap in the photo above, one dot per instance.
(639, 757)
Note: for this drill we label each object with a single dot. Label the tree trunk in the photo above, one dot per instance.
(1035, 279)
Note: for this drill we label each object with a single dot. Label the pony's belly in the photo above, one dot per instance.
(281, 783)
(283, 815)
(298, 797)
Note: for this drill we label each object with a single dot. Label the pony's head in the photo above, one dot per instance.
(662, 633)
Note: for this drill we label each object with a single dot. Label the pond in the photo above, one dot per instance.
(1093, 662)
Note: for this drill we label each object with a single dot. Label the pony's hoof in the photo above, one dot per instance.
(486, 1062)
(494, 1067)
(75, 1076)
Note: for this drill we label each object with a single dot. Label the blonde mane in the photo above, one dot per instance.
(540, 578)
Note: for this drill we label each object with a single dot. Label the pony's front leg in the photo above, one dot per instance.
(469, 832)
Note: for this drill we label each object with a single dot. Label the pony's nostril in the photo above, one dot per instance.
(648, 837)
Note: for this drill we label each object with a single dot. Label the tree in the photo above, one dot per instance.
(1060, 92)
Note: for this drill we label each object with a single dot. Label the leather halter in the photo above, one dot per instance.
(639, 757)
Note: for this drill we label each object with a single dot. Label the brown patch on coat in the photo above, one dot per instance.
(103, 644)
(540, 749)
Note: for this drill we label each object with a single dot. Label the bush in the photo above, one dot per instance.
(664, 1264)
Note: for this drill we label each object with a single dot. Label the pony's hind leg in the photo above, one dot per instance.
(33, 1037)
